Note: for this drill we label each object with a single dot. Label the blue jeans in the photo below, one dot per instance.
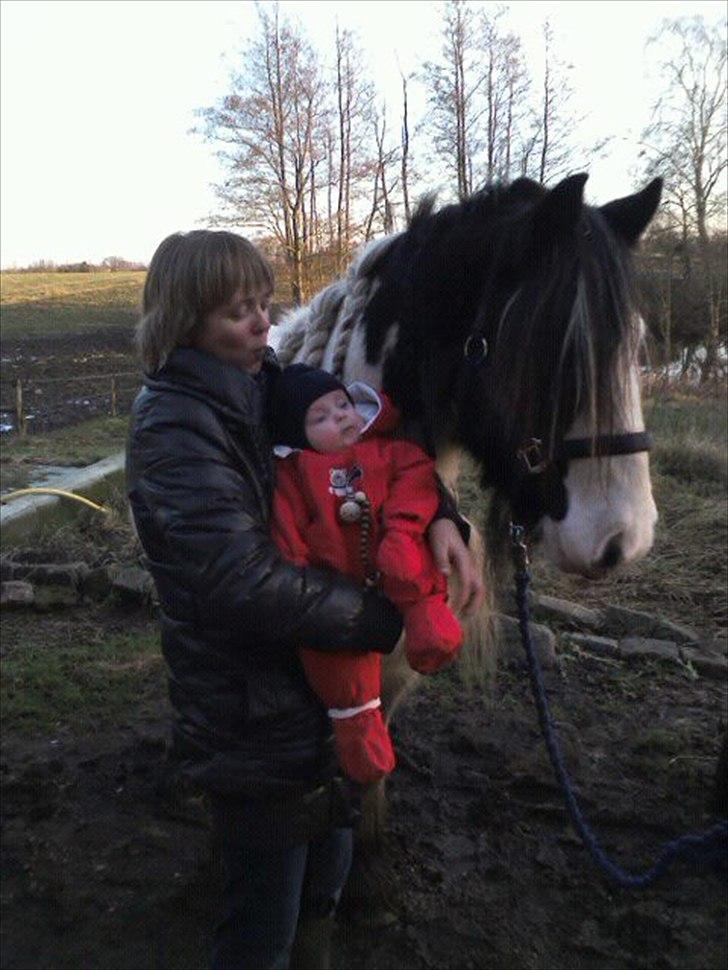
(267, 889)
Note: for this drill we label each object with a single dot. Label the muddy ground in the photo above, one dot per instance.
(61, 376)
(106, 867)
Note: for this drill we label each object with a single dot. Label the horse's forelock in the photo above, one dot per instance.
(607, 325)
(568, 337)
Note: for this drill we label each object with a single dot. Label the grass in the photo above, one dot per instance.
(84, 674)
(75, 446)
(47, 304)
(685, 576)
(78, 444)
(690, 439)
(72, 675)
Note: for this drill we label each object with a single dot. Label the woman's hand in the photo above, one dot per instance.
(451, 554)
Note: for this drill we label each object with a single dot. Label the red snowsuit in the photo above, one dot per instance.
(398, 479)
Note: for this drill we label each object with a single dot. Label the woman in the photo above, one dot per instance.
(247, 727)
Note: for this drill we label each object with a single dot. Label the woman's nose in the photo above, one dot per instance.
(263, 319)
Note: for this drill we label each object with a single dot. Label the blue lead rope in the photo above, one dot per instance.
(703, 848)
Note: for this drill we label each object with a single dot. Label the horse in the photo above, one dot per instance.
(506, 326)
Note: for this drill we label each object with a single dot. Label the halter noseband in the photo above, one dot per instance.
(604, 445)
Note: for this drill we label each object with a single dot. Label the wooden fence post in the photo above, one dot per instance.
(114, 401)
(19, 413)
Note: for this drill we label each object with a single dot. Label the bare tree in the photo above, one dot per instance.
(477, 90)
(382, 206)
(554, 149)
(270, 132)
(354, 99)
(686, 142)
(405, 151)
(516, 85)
(451, 89)
(496, 112)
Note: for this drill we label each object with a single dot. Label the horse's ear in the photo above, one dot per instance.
(559, 212)
(630, 216)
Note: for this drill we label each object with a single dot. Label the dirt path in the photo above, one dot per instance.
(105, 869)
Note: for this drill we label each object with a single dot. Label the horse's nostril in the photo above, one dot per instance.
(612, 555)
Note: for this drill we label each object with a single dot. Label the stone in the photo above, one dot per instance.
(619, 621)
(511, 650)
(15, 594)
(7, 568)
(716, 648)
(709, 665)
(134, 585)
(571, 614)
(52, 597)
(98, 582)
(677, 632)
(506, 600)
(650, 648)
(51, 574)
(602, 646)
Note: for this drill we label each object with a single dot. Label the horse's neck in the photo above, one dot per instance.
(355, 366)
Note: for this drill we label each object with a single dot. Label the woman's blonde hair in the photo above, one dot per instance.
(190, 274)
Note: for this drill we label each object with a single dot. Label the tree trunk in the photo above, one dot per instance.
(405, 152)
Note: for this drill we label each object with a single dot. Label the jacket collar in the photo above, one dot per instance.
(224, 387)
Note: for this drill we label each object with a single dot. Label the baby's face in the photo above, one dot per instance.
(332, 423)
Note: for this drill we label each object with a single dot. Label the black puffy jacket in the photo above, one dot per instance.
(200, 482)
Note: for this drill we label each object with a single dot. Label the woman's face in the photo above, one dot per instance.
(237, 332)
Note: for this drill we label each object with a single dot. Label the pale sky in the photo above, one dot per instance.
(98, 99)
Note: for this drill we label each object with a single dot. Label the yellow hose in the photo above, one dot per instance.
(55, 491)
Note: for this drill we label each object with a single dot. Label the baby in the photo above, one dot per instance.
(352, 499)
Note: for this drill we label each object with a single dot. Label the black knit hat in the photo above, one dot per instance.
(294, 391)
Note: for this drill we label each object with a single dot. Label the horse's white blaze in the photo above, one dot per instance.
(610, 501)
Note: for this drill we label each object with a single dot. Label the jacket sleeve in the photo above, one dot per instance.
(289, 514)
(208, 530)
(413, 496)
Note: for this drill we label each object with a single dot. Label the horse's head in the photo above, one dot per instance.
(519, 337)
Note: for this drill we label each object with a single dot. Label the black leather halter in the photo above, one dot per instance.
(540, 475)
(603, 445)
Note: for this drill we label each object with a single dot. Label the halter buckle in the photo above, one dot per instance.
(532, 456)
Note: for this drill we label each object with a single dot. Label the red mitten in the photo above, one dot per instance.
(433, 634)
(363, 746)
(400, 555)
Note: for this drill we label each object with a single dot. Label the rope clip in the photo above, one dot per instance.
(519, 547)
